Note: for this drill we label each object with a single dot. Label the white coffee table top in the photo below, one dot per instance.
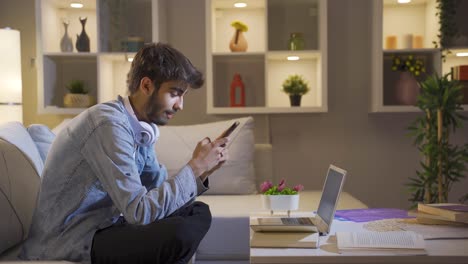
(439, 251)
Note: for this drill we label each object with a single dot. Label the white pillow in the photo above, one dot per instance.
(176, 144)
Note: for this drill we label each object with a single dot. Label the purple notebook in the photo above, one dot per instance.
(457, 208)
(371, 214)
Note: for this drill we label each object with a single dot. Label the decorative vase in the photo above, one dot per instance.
(82, 40)
(296, 41)
(237, 91)
(77, 100)
(406, 89)
(238, 42)
(66, 44)
(295, 99)
(280, 203)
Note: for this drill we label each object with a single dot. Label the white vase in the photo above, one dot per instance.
(280, 202)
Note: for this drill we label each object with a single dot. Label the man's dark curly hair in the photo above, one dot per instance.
(161, 63)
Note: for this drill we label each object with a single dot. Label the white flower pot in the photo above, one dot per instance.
(280, 202)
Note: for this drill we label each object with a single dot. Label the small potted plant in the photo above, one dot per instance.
(295, 86)
(238, 41)
(77, 95)
(280, 197)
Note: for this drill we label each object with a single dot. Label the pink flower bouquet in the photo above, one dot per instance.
(267, 188)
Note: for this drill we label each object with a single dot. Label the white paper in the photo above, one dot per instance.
(438, 231)
(380, 240)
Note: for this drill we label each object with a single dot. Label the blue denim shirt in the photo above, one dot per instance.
(95, 172)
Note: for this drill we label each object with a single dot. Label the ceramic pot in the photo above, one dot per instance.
(406, 89)
(295, 99)
(77, 100)
(238, 42)
(280, 202)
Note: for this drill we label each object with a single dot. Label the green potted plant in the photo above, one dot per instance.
(443, 163)
(280, 197)
(295, 86)
(77, 95)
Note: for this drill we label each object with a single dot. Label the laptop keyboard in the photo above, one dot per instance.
(296, 221)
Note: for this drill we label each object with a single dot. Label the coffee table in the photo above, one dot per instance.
(439, 251)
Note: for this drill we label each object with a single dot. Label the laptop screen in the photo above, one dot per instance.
(330, 194)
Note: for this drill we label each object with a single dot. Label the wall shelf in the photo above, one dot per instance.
(264, 66)
(103, 69)
(399, 25)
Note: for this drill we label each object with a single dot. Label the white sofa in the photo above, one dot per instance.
(22, 153)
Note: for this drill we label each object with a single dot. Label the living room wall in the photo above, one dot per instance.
(373, 147)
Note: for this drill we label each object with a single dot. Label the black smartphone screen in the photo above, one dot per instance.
(228, 131)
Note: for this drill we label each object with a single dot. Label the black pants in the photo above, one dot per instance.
(170, 240)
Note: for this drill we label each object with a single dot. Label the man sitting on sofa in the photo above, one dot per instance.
(104, 197)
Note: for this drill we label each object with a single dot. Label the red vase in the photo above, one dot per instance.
(237, 92)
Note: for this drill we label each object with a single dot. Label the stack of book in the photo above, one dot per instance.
(460, 73)
(442, 214)
(284, 240)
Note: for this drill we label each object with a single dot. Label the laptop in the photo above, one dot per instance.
(321, 222)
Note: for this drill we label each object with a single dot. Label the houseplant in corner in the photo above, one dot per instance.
(295, 86)
(280, 197)
(77, 95)
(444, 163)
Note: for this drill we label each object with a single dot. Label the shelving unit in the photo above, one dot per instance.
(103, 69)
(400, 21)
(264, 66)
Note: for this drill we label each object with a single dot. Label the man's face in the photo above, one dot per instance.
(165, 102)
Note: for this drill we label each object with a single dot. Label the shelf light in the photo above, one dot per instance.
(76, 5)
(462, 54)
(240, 4)
(403, 1)
(293, 58)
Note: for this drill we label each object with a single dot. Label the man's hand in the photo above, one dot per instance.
(208, 156)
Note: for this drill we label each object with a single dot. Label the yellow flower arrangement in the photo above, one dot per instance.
(240, 26)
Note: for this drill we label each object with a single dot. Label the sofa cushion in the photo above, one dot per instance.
(42, 137)
(176, 144)
(19, 183)
(16, 134)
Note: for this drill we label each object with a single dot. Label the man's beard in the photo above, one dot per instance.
(153, 110)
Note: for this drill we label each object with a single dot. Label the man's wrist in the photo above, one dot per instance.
(203, 176)
(196, 169)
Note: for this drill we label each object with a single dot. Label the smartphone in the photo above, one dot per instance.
(228, 131)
